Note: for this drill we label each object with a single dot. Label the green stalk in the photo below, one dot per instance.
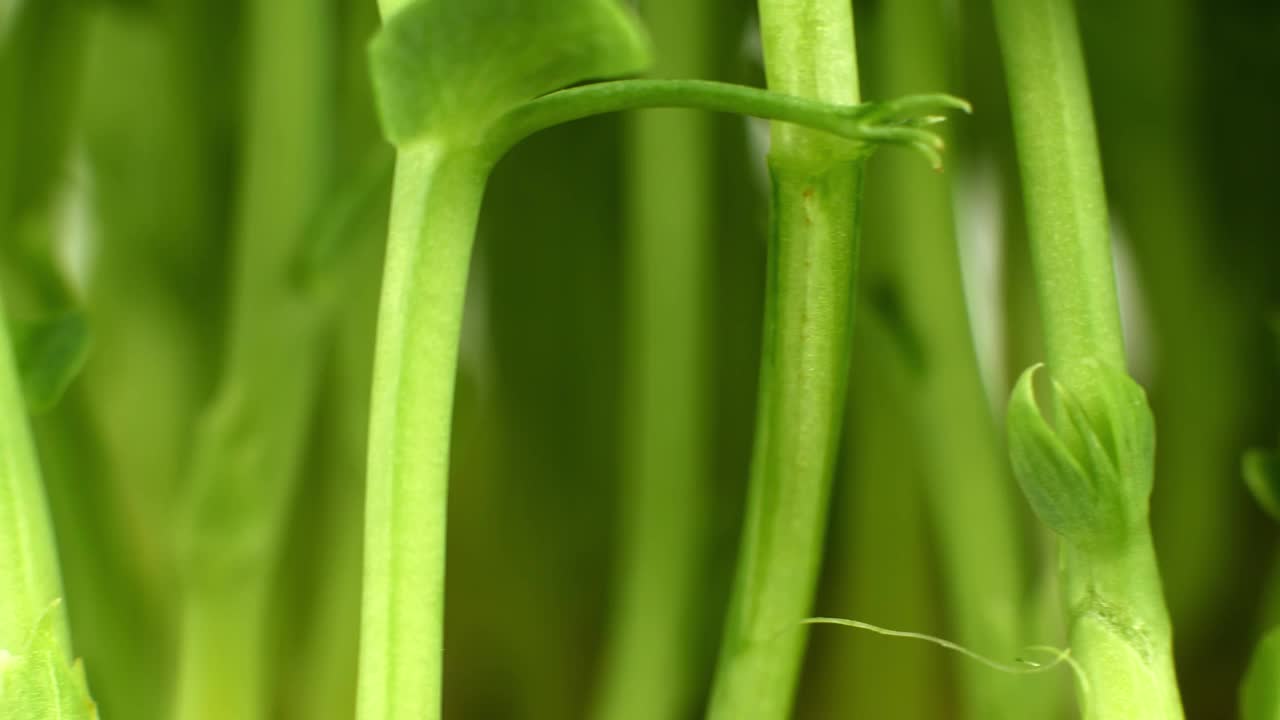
(650, 669)
(248, 452)
(38, 677)
(434, 209)
(29, 578)
(1088, 472)
(809, 52)
(34, 136)
(1062, 184)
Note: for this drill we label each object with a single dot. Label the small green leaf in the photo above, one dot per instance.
(38, 683)
(1260, 692)
(1262, 475)
(50, 354)
(451, 68)
(1089, 478)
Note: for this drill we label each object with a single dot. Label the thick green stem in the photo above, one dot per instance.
(809, 52)
(435, 206)
(1120, 632)
(650, 660)
(1062, 184)
(1119, 627)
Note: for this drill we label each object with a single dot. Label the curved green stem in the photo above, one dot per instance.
(435, 207)
(809, 52)
(893, 122)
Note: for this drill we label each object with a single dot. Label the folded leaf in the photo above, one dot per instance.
(449, 68)
(1089, 476)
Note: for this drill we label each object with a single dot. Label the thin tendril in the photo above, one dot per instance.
(1025, 667)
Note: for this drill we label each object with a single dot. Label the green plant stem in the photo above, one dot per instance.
(435, 206)
(1119, 627)
(248, 451)
(650, 669)
(1062, 185)
(809, 52)
(29, 578)
(1120, 632)
(34, 130)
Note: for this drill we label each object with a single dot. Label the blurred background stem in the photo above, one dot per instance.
(877, 505)
(977, 518)
(249, 448)
(651, 650)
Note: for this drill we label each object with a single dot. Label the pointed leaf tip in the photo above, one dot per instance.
(1051, 478)
(1088, 476)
